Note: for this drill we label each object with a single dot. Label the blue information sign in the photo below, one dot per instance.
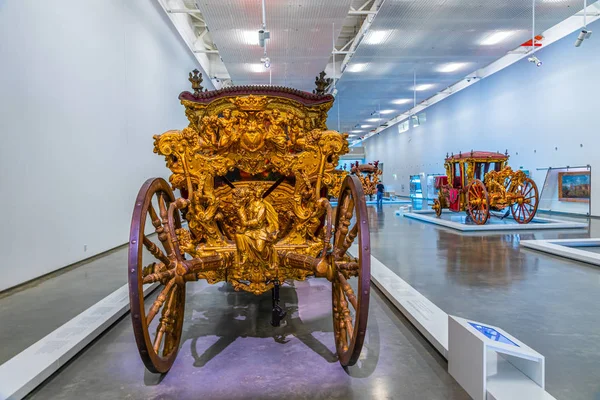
(493, 334)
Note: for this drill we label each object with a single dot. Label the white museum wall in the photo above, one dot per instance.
(84, 87)
(545, 117)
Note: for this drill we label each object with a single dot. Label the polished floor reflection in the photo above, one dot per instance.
(548, 302)
(230, 351)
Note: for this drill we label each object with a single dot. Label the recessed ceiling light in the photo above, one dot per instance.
(424, 86)
(357, 67)
(401, 101)
(384, 112)
(496, 38)
(366, 126)
(256, 68)
(372, 119)
(356, 131)
(377, 37)
(352, 135)
(250, 37)
(452, 67)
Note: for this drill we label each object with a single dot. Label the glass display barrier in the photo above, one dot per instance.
(567, 190)
(416, 186)
(432, 191)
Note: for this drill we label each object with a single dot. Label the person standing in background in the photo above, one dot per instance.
(380, 189)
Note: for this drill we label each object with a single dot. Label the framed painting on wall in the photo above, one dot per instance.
(574, 186)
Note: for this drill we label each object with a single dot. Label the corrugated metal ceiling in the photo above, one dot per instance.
(300, 44)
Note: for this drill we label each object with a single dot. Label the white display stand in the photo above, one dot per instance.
(537, 223)
(493, 366)
(573, 249)
(403, 209)
(25, 371)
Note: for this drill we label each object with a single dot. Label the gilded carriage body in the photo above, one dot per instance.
(253, 169)
(479, 182)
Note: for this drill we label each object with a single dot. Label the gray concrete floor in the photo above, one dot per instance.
(230, 351)
(548, 302)
(34, 310)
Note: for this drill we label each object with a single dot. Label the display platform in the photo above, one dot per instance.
(458, 221)
(385, 202)
(585, 250)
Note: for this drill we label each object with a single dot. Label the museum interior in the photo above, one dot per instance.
(300, 199)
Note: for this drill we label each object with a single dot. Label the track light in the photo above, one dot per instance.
(584, 34)
(535, 60)
(262, 36)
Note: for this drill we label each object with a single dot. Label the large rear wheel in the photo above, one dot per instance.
(524, 209)
(351, 276)
(154, 259)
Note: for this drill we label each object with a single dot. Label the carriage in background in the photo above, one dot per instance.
(479, 182)
(253, 169)
(368, 174)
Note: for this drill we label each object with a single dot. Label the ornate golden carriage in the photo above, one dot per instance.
(368, 174)
(481, 181)
(253, 169)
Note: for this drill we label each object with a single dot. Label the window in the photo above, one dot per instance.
(419, 119)
(403, 126)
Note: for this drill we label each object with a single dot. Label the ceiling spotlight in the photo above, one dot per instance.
(401, 101)
(423, 86)
(584, 34)
(357, 67)
(366, 126)
(496, 38)
(266, 61)
(535, 60)
(385, 112)
(452, 67)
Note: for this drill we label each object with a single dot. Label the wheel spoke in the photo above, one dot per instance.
(165, 324)
(170, 338)
(156, 251)
(158, 276)
(347, 290)
(160, 300)
(163, 236)
(348, 240)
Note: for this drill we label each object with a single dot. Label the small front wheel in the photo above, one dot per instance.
(478, 207)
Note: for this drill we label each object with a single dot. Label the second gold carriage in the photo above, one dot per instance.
(479, 182)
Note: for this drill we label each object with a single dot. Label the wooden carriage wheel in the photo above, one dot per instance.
(437, 207)
(477, 202)
(350, 309)
(150, 262)
(524, 209)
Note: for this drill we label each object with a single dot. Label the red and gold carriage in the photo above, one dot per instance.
(479, 182)
(253, 169)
